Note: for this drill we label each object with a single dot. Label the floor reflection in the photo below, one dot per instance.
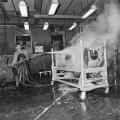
(32, 102)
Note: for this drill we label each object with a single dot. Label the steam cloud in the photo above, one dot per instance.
(106, 28)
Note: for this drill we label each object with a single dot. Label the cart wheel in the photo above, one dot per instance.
(52, 92)
(52, 82)
(106, 90)
(82, 96)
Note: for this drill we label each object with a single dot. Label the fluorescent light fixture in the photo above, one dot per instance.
(73, 26)
(23, 8)
(53, 7)
(92, 9)
(46, 26)
(26, 25)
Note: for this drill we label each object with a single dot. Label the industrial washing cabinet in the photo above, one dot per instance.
(89, 73)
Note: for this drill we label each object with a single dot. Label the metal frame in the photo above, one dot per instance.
(84, 84)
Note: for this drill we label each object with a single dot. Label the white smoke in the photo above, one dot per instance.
(106, 28)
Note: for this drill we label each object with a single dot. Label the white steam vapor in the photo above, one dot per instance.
(105, 29)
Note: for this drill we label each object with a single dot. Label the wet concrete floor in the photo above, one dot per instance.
(38, 104)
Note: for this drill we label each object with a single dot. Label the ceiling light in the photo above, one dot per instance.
(26, 25)
(92, 9)
(73, 26)
(23, 8)
(53, 7)
(46, 26)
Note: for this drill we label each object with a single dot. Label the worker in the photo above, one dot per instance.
(20, 64)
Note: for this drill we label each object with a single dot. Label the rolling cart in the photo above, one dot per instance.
(86, 70)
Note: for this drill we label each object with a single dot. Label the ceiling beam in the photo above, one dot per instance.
(68, 7)
(38, 5)
(15, 11)
(87, 7)
(31, 22)
(57, 16)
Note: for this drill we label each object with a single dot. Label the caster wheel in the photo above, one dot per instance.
(106, 90)
(83, 96)
(53, 93)
(52, 82)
